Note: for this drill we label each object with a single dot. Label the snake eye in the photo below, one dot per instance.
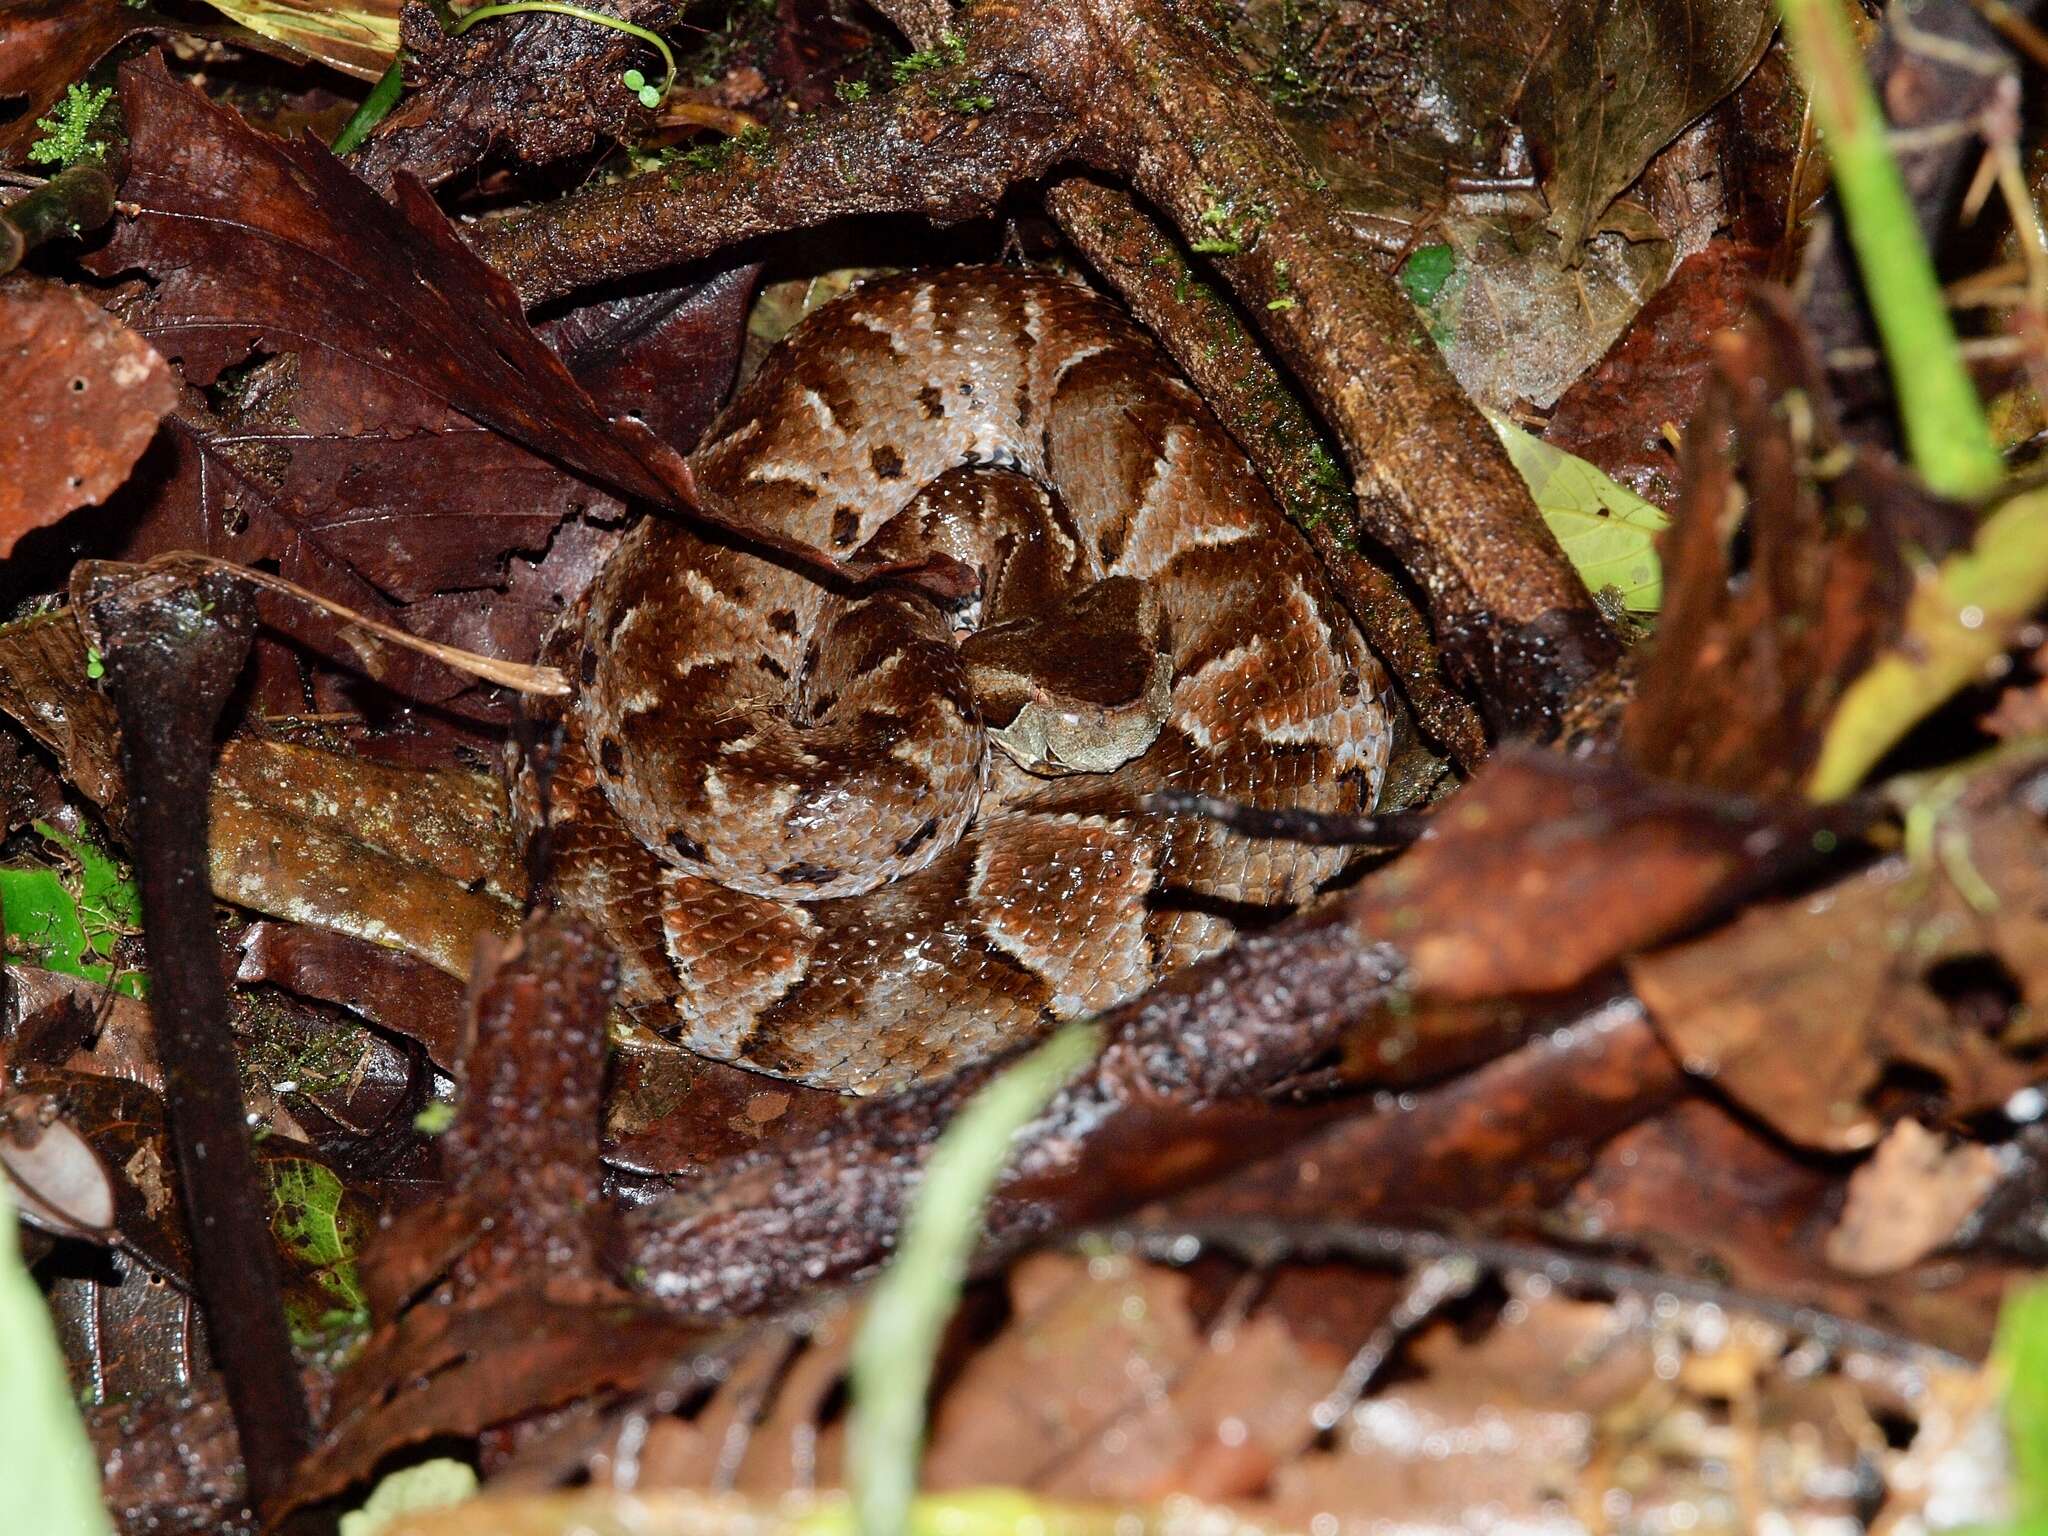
(588, 665)
(611, 756)
(686, 845)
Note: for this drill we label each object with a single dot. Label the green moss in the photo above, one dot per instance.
(68, 136)
(718, 157)
(951, 53)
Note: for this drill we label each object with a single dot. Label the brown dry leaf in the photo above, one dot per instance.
(1912, 1197)
(1704, 1192)
(1103, 1388)
(1801, 1009)
(45, 687)
(87, 395)
(1751, 654)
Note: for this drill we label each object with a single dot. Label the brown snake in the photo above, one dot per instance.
(854, 838)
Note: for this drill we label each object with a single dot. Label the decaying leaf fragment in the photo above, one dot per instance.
(84, 396)
(1803, 1010)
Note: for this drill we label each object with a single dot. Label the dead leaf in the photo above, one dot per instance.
(87, 395)
(422, 862)
(1804, 1010)
(1761, 635)
(1654, 374)
(1910, 1198)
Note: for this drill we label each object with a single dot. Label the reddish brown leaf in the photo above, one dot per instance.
(256, 245)
(1751, 654)
(87, 395)
(1653, 377)
(1703, 1191)
(390, 988)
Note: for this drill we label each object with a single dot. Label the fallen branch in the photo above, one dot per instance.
(173, 647)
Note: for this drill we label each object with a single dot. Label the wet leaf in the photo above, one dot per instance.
(421, 862)
(358, 37)
(1762, 635)
(1608, 531)
(85, 396)
(1627, 412)
(69, 919)
(318, 1228)
(1912, 1197)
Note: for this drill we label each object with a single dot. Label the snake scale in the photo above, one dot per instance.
(856, 837)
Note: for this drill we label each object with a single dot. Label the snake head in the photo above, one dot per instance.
(1081, 687)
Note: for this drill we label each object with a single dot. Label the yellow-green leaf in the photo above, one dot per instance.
(358, 37)
(1608, 532)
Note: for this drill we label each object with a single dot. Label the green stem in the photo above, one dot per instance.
(554, 7)
(912, 1302)
(375, 108)
(1946, 433)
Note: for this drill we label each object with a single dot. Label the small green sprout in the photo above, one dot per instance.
(68, 138)
(95, 665)
(637, 84)
(851, 90)
(435, 1119)
(973, 96)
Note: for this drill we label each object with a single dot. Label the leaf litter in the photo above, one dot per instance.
(1718, 1104)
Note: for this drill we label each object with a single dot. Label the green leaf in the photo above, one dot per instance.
(47, 1465)
(432, 1484)
(2022, 1356)
(320, 1234)
(68, 919)
(1425, 272)
(892, 1358)
(1608, 531)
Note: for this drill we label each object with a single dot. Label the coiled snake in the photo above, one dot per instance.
(854, 838)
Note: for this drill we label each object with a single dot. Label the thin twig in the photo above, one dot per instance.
(544, 682)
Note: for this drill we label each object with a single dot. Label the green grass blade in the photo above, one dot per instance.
(892, 1358)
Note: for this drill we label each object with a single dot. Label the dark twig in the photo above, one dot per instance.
(67, 205)
(173, 647)
(1292, 826)
(1267, 1243)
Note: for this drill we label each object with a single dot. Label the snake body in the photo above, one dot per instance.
(855, 837)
